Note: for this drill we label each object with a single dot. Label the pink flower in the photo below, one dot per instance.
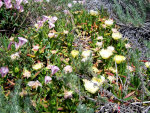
(1, 3)
(22, 41)
(54, 69)
(35, 48)
(9, 46)
(47, 79)
(66, 12)
(4, 71)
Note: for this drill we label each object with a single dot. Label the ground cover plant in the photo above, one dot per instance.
(77, 62)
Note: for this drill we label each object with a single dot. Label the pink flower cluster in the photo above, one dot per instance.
(51, 21)
(17, 5)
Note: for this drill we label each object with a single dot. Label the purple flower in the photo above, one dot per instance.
(16, 6)
(1, 3)
(17, 45)
(8, 4)
(18, 2)
(47, 79)
(4, 71)
(21, 8)
(54, 69)
(22, 41)
(51, 25)
(9, 46)
(45, 18)
(40, 24)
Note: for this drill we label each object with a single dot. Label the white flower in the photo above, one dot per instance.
(105, 53)
(15, 56)
(66, 32)
(26, 73)
(114, 30)
(127, 45)
(111, 78)
(116, 35)
(68, 94)
(47, 79)
(100, 38)
(34, 84)
(74, 2)
(84, 59)
(130, 68)
(93, 13)
(109, 22)
(99, 44)
(69, 5)
(68, 69)
(95, 69)
(86, 53)
(50, 35)
(147, 64)
(111, 48)
(11, 38)
(36, 26)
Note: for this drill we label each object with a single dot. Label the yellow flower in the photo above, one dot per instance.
(74, 53)
(98, 81)
(93, 85)
(119, 59)
(86, 53)
(93, 13)
(37, 66)
(95, 69)
(116, 35)
(90, 86)
(105, 53)
(147, 64)
(112, 69)
(109, 22)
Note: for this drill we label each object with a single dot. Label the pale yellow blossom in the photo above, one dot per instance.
(119, 59)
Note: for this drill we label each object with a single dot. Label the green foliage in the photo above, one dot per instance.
(14, 103)
(131, 12)
(82, 108)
